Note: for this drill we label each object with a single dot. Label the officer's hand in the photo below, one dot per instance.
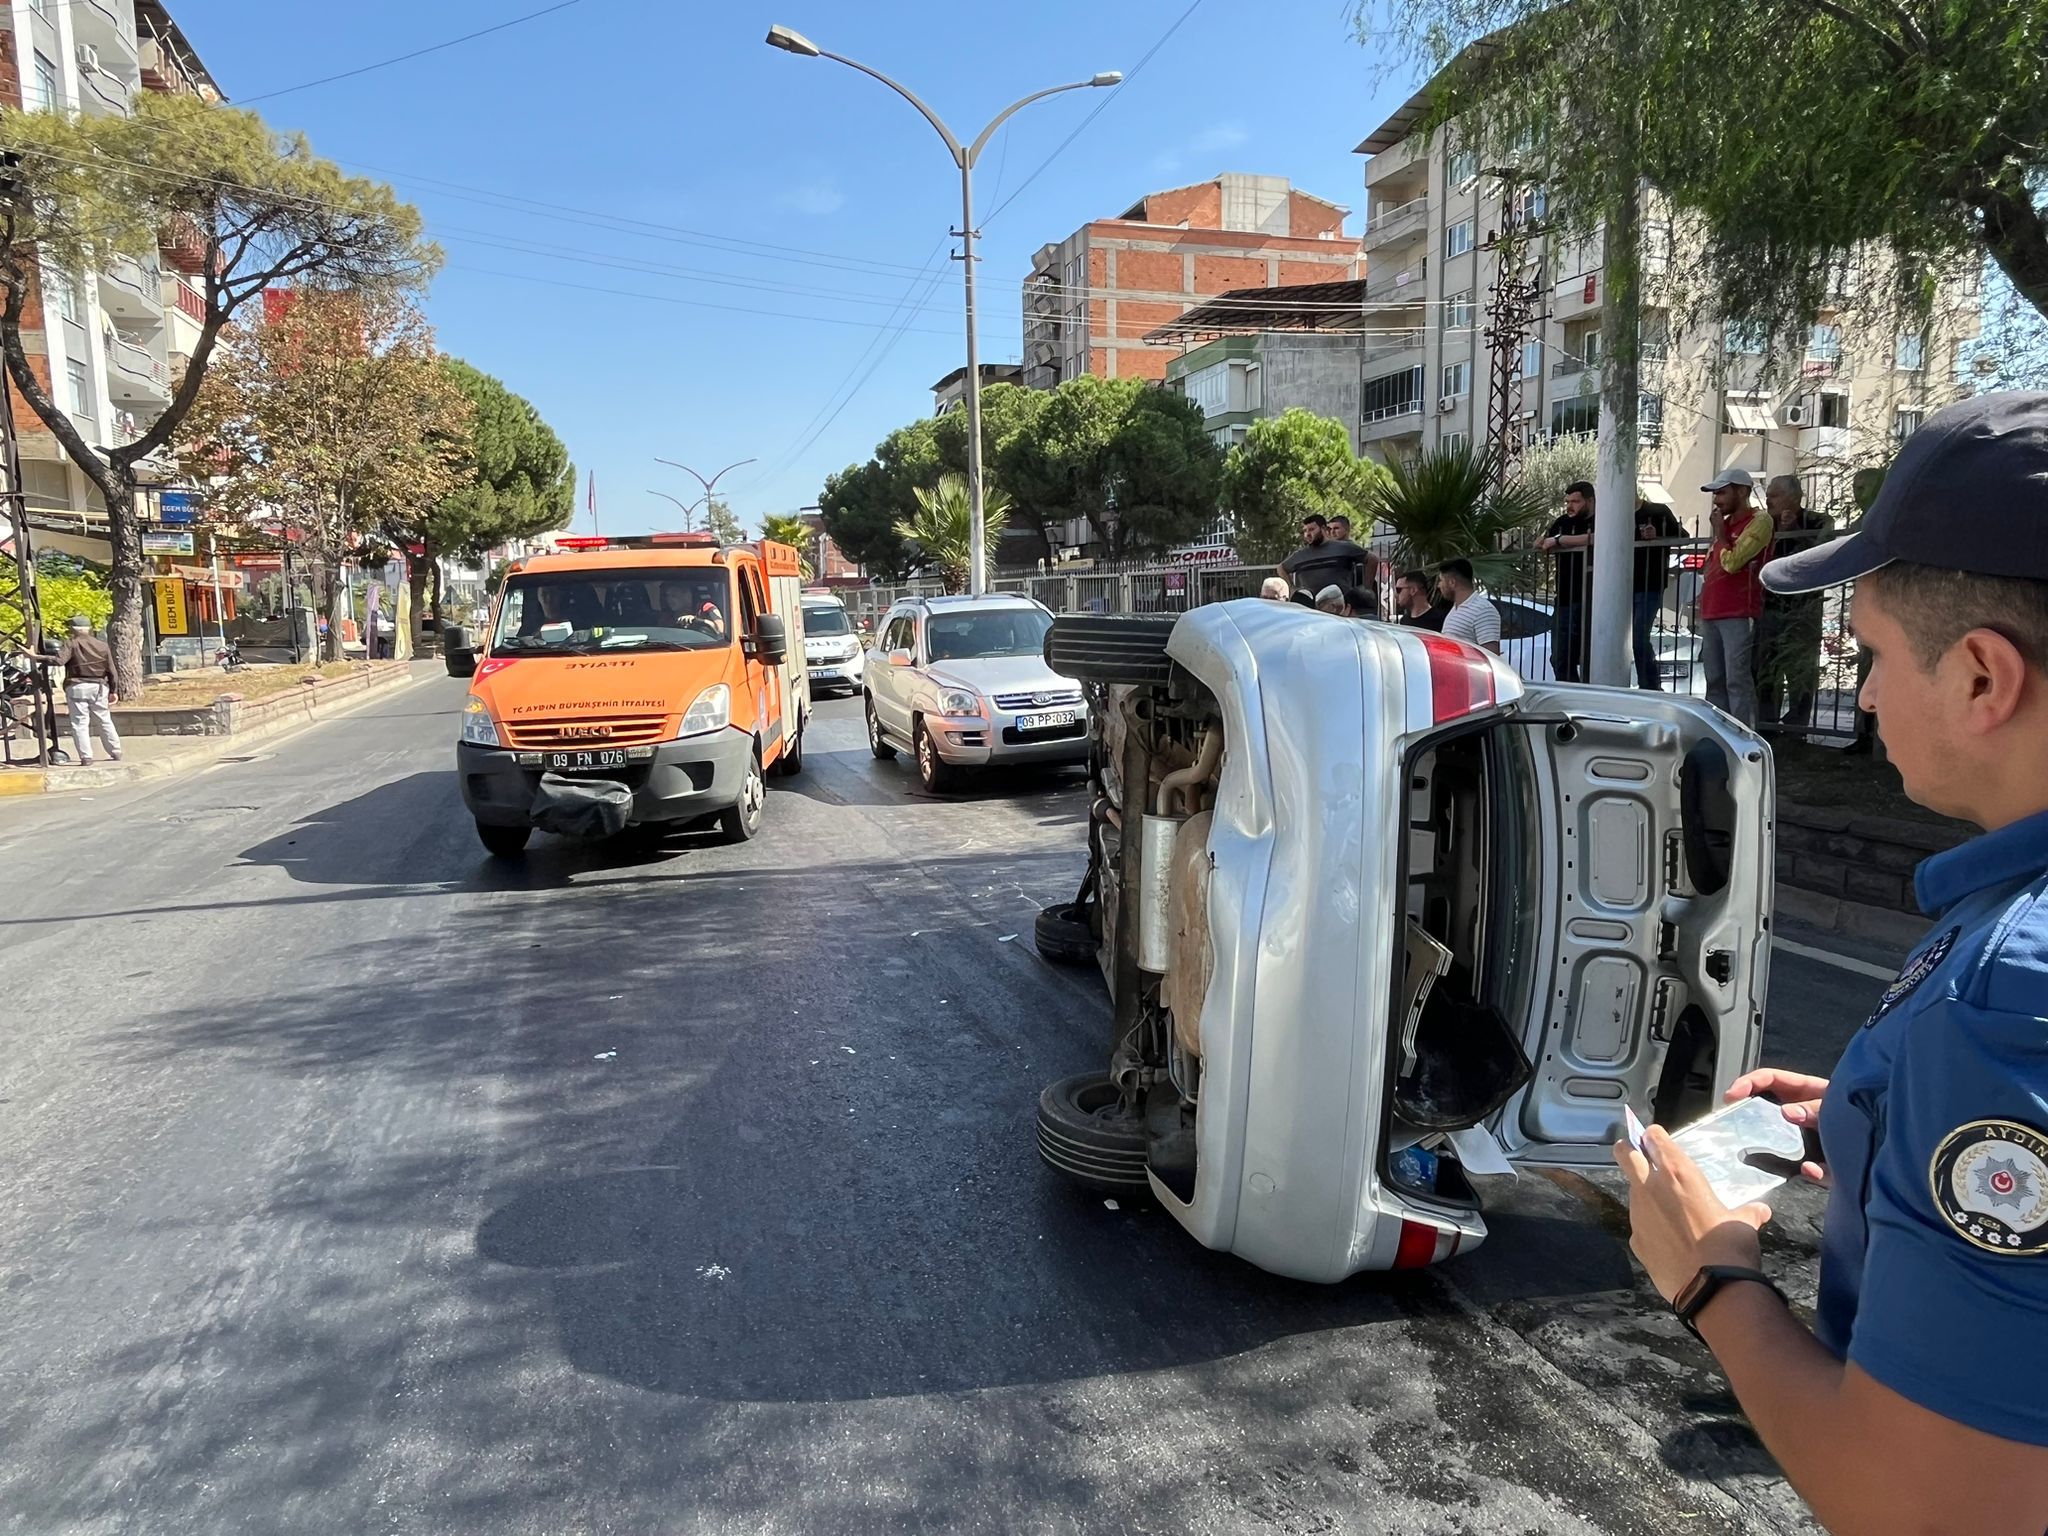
(1676, 1221)
(1799, 1093)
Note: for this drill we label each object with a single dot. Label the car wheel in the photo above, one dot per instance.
(877, 742)
(933, 771)
(1086, 1133)
(1064, 936)
(791, 763)
(503, 842)
(1091, 648)
(743, 820)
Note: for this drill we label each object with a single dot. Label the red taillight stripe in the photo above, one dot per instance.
(1460, 677)
(1418, 1245)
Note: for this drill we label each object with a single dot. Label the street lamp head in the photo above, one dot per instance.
(1109, 77)
(792, 42)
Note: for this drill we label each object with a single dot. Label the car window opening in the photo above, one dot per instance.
(585, 613)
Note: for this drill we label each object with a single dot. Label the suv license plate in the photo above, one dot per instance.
(577, 762)
(1051, 720)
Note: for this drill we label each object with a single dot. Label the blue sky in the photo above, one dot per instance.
(722, 269)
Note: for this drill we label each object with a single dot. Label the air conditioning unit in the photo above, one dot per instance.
(88, 58)
(1803, 412)
(1445, 406)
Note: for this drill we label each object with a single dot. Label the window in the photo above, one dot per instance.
(1457, 380)
(1581, 413)
(47, 96)
(1744, 338)
(1392, 394)
(1650, 418)
(1834, 410)
(67, 295)
(1656, 249)
(1073, 276)
(1912, 352)
(1532, 359)
(1209, 388)
(1462, 167)
(1456, 442)
(1906, 422)
(81, 388)
(899, 636)
(1458, 238)
(40, 7)
(1824, 345)
(1529, 204)
(1458, 311)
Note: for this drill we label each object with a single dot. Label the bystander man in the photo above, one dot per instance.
(1731, 595)
(1472, 615)
(1413, 605)
(1788, 630)
(1915, 1402)
(1655, 527)
(1570, 538)
(1275, 588)
(88, 690)
(1322, 561)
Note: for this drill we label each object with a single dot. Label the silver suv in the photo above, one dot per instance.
(961, 682)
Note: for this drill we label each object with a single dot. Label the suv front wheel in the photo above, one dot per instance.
(933, 771)
(877, 742)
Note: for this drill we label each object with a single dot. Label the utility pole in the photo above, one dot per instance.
(1609, 654)
(1511, 313)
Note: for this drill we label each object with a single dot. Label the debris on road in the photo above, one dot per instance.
(605, 1056)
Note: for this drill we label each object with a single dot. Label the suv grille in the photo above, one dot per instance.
(1043, 698)
(615, 731)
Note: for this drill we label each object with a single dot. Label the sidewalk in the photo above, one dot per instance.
(148, 758)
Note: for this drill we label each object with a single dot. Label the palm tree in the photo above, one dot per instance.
(940, 528)
(793, 531)
(1449, 502)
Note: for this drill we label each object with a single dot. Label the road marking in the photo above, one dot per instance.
(1840, 962)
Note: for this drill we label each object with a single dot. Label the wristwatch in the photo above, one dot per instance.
(1704, 1286)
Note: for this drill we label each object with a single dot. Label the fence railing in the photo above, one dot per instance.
(1804, 660)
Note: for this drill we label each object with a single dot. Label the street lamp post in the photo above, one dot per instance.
(705, 500)
(964, 156)
(687, 509)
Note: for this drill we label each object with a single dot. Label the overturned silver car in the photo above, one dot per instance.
(1375, 915)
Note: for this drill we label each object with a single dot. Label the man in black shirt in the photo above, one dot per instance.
(1413, 605)
(1569, 538)
(1654, 522)
(1323, 561)
(1788, 636)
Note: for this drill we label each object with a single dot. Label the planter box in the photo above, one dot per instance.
(230, 713)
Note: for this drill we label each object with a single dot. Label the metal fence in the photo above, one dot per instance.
(1803, 650)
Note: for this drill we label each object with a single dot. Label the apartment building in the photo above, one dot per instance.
(950, 393)
(108, 344)
(1256, 352)
(1092, 297)
(1434, 212)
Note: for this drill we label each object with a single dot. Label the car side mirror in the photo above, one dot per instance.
(901, 659)
(771, 640)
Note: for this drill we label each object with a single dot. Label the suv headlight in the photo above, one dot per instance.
(959, 701)
(477, 728)
(711, 711)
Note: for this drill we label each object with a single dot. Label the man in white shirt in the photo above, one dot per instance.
(1472, 617)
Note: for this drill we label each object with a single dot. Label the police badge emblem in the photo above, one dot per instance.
(1990, 1182)
(1918, 969)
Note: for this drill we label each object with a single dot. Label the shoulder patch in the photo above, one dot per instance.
(1918, 969)
(1989, 1179)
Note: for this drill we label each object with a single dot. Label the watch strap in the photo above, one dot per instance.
(1706, 1285)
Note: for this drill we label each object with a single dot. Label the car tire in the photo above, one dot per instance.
(1086, 1134)
(1064, 936)
(877, 742)
(791, 763)
(1091, 648)
(933, 771)
(503, 842)
(743, 819)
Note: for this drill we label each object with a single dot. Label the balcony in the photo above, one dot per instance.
(134, 374)
(130, 290)
(1391, 421)
(101, 94)
(189, 301)
(1406, 286)
(103, 25)
(1388, 344)
(1576, 296)
(1397, 223)
(1824, 443)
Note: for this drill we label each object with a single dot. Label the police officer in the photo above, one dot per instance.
(1919, 1402)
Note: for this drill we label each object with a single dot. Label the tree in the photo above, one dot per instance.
(1446, 504)
(1547, 468)
(336, 418)
(518, 482)
(863, 503)
(941, 527)
(1287, 467)
(1792, 131)
(1134, 461)
(255, 208)
(795, 532)
(65, 585)
(1007, 410)
(722, 523)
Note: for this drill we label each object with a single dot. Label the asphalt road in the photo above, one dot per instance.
(352, 1183)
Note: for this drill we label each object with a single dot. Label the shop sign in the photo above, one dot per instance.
(172, 617)
(154, 543)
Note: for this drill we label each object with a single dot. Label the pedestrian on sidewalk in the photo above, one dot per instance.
(1322, 561)
(1732, 595)
(1473, 616)
(1570, 538)
(1915, 1403)
(1788, 633)
(1655, 526)
(88, 689)
(1413, 608)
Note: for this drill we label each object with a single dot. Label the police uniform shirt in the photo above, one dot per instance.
(1934, 1256)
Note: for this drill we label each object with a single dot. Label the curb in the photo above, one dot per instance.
(57, 781)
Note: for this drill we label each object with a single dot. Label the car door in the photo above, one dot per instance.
(891, 684)
(1648, 956)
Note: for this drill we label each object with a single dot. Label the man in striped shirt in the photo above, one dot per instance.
(1472, 616)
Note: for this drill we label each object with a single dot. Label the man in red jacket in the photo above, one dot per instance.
(1732, 596)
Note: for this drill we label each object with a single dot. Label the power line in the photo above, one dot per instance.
(417, 53)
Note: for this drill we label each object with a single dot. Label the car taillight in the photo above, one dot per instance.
(1422, 1244)
(1460, 678)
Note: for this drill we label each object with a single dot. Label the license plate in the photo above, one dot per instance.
(1050, 720)
(578, 762)
(824, 671)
